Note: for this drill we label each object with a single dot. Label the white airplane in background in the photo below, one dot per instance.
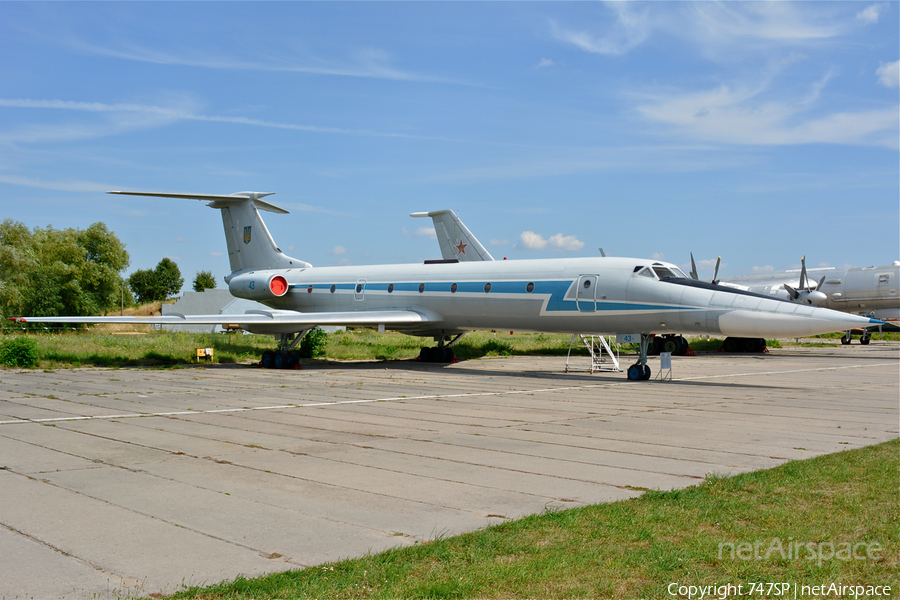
(869, 291)
(445, 299)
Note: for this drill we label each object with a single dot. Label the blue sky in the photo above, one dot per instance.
(756, 131)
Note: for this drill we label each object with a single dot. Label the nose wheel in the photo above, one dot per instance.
(639, 371)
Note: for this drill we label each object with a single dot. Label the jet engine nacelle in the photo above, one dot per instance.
(258, 285)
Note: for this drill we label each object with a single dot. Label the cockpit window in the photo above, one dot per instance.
(668, 272)
(646, 272)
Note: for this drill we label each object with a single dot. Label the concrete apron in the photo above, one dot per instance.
(139, 481)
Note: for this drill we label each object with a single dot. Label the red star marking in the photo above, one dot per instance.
(461, 248)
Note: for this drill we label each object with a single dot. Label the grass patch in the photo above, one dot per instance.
(156, 348)
(112, 346)
(636, 548)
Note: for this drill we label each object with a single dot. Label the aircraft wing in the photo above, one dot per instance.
(262, 321)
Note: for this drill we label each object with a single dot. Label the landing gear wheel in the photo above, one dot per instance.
(294, 357)
(670, 344)
(846, 339)
(281, 360)
(635, 372)
(730, 345)
(645, 372)
(866, 337)
(754, 345)
(683, 346)
(427, 354)
(268, 359)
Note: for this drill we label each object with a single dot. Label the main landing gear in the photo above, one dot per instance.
(443, 353)
(676, 345)
(864, 339)
(285, 357)
(639, 371)
(751, 345)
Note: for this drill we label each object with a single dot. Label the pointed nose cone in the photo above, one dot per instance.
(804, 321)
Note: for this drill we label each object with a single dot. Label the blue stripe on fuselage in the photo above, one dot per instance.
(553, 291)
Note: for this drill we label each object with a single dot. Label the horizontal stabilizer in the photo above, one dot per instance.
(218, 200)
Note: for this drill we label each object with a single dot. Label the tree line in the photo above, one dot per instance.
(78, 272)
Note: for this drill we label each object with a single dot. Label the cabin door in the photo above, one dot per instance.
(586, 293)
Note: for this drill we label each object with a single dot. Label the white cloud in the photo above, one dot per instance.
(366, 63)
(61, 186)
(736, 23)
(871, 13)
(124, 117)
(545, 62)
(763, 269)
(658, 256)
(339, 250)
(499, 242)
(741, 116)
(565, 242)
(530, 240)
(889, 74)
(630, 29)
(714, 26)
(421, 232)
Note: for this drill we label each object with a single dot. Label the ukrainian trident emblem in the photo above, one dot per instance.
(247, 234)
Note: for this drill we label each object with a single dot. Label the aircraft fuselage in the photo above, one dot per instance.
(597, 295)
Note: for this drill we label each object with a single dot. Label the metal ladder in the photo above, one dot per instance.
(602, 356)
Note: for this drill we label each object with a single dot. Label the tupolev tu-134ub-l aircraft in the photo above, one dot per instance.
(444, 299)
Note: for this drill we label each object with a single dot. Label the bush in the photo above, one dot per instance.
(204, 281)
(500, 347)
(313, 343)
(18, 352)
(157, 284)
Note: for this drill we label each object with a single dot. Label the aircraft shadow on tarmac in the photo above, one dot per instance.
(585, 379)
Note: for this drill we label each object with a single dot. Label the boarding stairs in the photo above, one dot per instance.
(601, 356)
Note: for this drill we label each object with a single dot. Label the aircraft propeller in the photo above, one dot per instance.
(804, 292)
(694, 269)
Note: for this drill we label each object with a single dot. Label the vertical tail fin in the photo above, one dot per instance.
(250, 245)
(455, 239)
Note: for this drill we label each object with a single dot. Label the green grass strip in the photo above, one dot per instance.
(830, 519)
(171, 349)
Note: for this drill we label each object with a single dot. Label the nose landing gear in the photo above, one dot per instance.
(639, 371)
